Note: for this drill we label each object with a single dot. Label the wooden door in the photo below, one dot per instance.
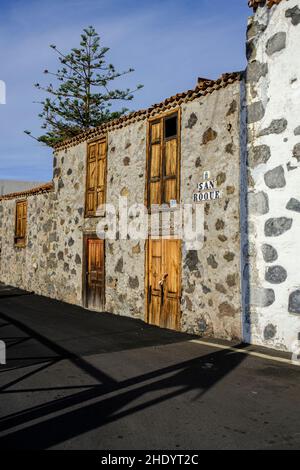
(164, 288)
(95, 274)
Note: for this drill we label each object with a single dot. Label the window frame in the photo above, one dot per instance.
(20, 239)
(97, 141)
(152, 120)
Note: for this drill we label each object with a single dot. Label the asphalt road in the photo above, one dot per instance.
(76, 379)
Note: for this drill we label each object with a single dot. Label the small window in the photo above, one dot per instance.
(21, 223)
(171, 127)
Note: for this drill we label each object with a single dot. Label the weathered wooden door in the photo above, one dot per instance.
(95, 274)
(164, 283)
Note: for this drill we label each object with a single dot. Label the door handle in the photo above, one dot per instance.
(162, 289)
(163, 279)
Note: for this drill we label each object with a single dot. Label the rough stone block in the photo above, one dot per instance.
(275, 227)
(276, 43)
(270, 331)
(258, 203)
(294, 302)
(255, 28)
(269, 253)
(256, 112)
(258, 155)
(260, 297)
(209, 135)
(276, 274)
(277, 126)
(275, 178)
(255, 71)
(297, 131)
(293, 205)
(296, 152)
(294, 14)
(192, 121)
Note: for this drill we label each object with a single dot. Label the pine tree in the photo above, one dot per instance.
(82, 98)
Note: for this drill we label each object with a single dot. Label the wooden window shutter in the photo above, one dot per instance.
(163, 160)
(21, 222)
(101, 174)
(91, 179)
(170, 190)
(155, 161)
(96, 176)
(170, 171)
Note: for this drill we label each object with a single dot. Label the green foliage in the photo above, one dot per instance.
(82, 98)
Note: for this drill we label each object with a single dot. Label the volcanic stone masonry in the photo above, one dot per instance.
(245, 130)
(271, 268)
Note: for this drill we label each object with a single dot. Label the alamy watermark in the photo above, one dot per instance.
(2, 92)
(2, 352)
(181, 221)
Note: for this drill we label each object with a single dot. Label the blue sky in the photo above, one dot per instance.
(169, 43)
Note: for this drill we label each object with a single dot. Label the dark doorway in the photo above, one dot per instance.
(94, 279)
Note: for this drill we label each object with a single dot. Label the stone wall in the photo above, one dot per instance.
(52, 262)
(28, 268)
(252, 229)
(211, 277)
(69, 184)
(211, 303)
(272, 306)
(124, 260)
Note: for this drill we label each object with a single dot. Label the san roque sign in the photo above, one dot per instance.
(207, 189)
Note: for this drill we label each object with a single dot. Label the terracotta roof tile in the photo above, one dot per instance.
(256, 3)
(44, 188)
(203, 88)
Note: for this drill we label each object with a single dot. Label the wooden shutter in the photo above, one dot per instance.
(170, 171)
(155, 170)
(21, 222)
(101, 174)
(91, 180)
(163, 162)
(96, 176)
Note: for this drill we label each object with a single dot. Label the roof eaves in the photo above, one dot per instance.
(44, 188)
(256, 3)
(203, 88)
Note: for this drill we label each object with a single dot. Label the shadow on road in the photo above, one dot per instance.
(111, 399)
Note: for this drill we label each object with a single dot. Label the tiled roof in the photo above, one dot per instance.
(44, 188)
(255, 3)
(203, 88)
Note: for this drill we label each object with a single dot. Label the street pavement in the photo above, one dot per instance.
(76, 379)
